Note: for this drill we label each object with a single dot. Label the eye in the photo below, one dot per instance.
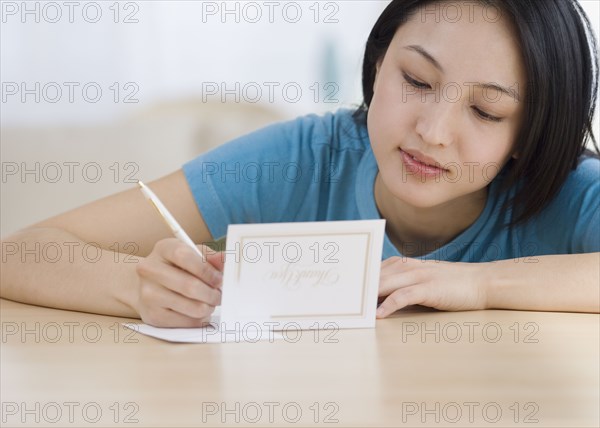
(486, 116)
(415, 83)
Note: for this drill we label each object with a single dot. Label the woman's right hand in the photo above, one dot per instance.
(177, 288)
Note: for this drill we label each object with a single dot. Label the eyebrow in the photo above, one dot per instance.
(508, 91)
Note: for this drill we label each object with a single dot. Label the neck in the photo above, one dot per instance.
(416, 231)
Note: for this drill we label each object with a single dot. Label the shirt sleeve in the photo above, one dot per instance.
(261, 177)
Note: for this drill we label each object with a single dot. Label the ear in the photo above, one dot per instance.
(377, 67)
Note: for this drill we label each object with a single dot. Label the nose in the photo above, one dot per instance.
(437, 122)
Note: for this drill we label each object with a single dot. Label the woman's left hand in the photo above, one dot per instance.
(442, 285)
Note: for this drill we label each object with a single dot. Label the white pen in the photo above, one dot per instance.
(168, 218)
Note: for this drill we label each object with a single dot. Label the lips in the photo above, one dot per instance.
(424, 159)
(419, 164)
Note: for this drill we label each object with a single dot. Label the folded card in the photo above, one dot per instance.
(312, 275)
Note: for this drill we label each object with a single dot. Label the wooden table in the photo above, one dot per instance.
(419, 368)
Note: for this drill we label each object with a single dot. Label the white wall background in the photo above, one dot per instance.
(176, 47)
(169, 52)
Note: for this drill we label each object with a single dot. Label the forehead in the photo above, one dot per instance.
(467, 39)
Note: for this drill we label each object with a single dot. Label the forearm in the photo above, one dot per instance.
(51, 267)
(569, 283)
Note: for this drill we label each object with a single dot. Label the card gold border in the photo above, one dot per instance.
(367, 265)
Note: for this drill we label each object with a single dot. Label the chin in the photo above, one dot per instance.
(417, 198)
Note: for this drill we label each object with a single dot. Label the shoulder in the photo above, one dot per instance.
(303, 138)
(307, 134)
(580, 193)
(589, 168)
(571, 222)
(584, 179)
(339, 130)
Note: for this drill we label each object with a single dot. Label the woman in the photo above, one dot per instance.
(470, 143)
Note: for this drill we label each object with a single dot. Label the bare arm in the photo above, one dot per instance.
(565, 283)
(52, 267)
(101, 245)
(569, 283)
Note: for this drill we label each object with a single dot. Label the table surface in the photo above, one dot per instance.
(418, 368)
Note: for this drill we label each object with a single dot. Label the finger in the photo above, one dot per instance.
(401, 298)
(180, 282)
(168, 299)
(216, 258)
(388, 261)
(400, 259)
(167, 318)
(187, 259)
(396, 280)
(404, 263)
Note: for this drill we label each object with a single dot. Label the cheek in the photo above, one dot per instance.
(387, 97)
(488, 157)
(389, 119)
(485, 142)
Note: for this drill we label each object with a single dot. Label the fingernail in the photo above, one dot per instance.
(218, 277)
(379, 311)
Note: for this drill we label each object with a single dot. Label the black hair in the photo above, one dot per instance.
(560, 55)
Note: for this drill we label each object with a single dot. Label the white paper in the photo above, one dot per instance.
(216, 334)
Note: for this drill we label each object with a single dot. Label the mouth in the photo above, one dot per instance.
(418, 166)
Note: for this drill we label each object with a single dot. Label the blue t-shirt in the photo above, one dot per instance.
(319, 168)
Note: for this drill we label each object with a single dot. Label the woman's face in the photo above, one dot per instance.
(430, 99)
